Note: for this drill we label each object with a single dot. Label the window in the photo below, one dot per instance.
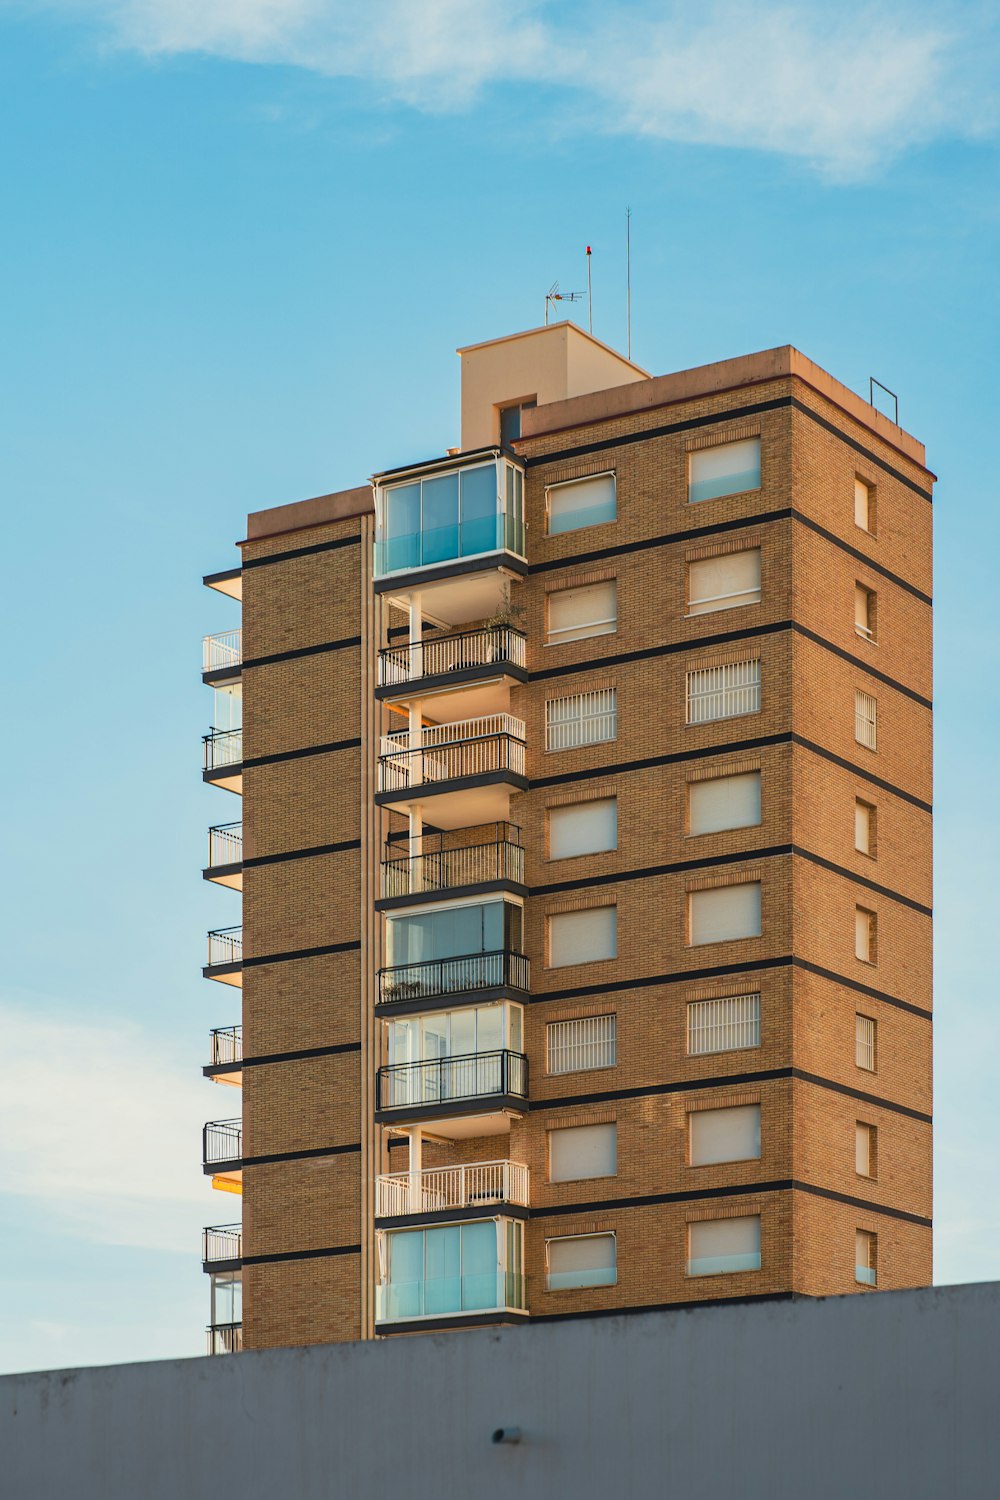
(865, 1145)
(450, 1268)
(583, 937)
(577, 1046)
(582, 1151)
(725, 1025)
(719, 1245)
(580, 1260)
(865, 935)
(510, 421)
(458, 513)
(865, 1034)
(865, 719)
(583, 828)
(726, 582)
(864, 827)
(724, 802)
(453, 932)
(581, 502)
(865, 1257)
(723, 692)
(726, 470)
(723, 913)
(227, 713)
(583, 719)
(574, 614)
(864, 506)
(716, 1135)
(864, 612)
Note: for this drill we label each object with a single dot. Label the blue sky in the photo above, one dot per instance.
(240, 241)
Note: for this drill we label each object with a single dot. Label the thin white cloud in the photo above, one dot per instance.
(845, 88)
(104, 1129)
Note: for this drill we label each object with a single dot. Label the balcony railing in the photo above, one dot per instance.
(496, 646)
(443, 1080)
(225, 845)
(222, 747)
(227, 1045)
(225, 1338)
(222, 1140)
(222, 652)
(222, 1242)
(491, 852)
(454, 976)
(473, 1185)
(447, 752)
(225, 946)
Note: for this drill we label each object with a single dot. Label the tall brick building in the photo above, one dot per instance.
(585, 858)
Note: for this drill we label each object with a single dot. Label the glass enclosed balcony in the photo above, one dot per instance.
(225, 1331)
(448, 512)
(455, 1061)
(453, 951)
(450, 1271)
(476, 1184)
(488, 854)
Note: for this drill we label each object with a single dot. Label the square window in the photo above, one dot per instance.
(727, 469)
(580, 1260)
(576, 614)
(581, 502)
(720, 1135)
(723, 914)
(723, 802)
(582, 937)
(578, 1152)
(726, 582)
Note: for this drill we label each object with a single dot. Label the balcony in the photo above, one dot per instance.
(222, 656)
(222, 1247)
(222, 1153)
(480, 976)
(470, 1272)
(225, 1338)
(433, 516)
(457, 757)
(225, 956)
(446, 661)
(222, 758)
(225, 855)
(443, 1087)
(227, 1055)
(474, 1185)
(484, 858)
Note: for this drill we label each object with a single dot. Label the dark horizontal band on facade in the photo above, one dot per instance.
(740, 1190)
(263, 1260)
(280, 557)
(283, 958)
(315, 1151)
(725, 971)
(684, 866)
(738, 413)
(314, 852)
(855, 661)
(319, 650)
(722, 1081)
(303, 1055)
(282, 755)
(861, 557)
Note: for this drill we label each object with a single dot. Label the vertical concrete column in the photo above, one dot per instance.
(416, 1138)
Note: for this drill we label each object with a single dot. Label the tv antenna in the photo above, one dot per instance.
(555, 295)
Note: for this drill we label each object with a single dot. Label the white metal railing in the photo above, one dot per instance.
(723, 1025)
(225, 845)
(445, 752)
(225, 946)
(575, 1046)
(865, 719)
(467, 1186)
(435, 657)
(723, 692)
(583, 719)
(222, 651)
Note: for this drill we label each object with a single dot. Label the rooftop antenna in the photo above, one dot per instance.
(590, 297)
(555, 295)
(628, 283)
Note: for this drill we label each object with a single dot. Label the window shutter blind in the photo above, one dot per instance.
(726, 802)
(717, 1245)
(863, 1150)
(582, 502)
(724, 582)
(581, 1260)
(725, 470)
(862, 934)
(861, 506)
(583, 937)
(725, 1134)
(864, 1257)
(577, 613)
(583, 828)
(861, 620)
(862, 827)
(582, 1151)
(725, 913)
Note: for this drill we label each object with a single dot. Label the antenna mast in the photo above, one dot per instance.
(628, 283)
(590, 297)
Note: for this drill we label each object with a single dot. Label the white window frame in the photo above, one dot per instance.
(564, 484)
(598, 1234)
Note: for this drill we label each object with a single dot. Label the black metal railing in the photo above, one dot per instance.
(225, 1338)
(222, 747)
(476, 1075)
(454, 976)
(227, 1045)
(222, 1140)
(444, 864)
(222, 1242)
(225, 946)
